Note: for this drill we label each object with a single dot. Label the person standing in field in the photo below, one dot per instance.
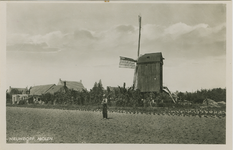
(104, 103)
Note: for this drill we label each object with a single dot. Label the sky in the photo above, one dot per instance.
(84, 41)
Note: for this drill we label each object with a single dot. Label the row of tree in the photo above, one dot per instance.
(121, 96)
(127, 97)
(216, 94)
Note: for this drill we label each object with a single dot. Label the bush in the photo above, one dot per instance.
(22, 102)
(30, 100)
(46, 98)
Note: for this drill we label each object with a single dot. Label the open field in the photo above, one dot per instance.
(73, 126)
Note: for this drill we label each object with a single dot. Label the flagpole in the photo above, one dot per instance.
(135, 72)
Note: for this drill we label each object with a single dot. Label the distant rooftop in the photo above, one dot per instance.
(40, 89)
(75, 85)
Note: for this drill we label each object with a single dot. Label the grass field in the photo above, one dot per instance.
(73, 126)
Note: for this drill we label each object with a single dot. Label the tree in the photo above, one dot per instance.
(216, 94)
(48, 97)
(86, 96)
(125, 96)
(100, 92)
(96, 93)
(136, 98)
(8, 98)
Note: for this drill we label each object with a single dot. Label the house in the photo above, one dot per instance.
(13, 90)
(37, 91)
(40, 89)
(210, 103)
(113, 89)
(77, 86)
(222, 103)
(150, 72)
(16, 98)
(112, 92)
(58, 88)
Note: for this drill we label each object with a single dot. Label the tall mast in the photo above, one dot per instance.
(136, 68)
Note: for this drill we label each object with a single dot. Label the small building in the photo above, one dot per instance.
(72, 85)
(150, 72)
(112, 89)
(37, 91)
(210, 103)
(58, 88)
(222, 103)
(16, 98)
(12, 90)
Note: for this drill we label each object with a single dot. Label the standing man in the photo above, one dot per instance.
(104, 103)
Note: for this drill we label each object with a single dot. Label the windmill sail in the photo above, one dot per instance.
(127, 62)
(136, 68)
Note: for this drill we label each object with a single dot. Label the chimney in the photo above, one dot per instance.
(59, 82)
(64, 83)
(80, 81)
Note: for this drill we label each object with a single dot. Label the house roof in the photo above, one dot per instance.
(112, 88)
(40, 89)
(19, 89)
(55, 89)
(23, 90)
(150, 58)
(210, 102)
(77, 86)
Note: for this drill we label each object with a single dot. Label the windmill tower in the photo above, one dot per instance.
(150, 72)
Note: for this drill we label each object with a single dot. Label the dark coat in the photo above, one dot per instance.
(105, 115)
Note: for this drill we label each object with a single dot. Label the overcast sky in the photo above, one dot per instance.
(78, 41)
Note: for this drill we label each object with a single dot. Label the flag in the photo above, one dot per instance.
(127, 62)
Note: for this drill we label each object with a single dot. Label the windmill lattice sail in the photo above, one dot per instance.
(127, 62)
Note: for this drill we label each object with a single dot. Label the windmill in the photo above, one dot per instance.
(148, 70)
